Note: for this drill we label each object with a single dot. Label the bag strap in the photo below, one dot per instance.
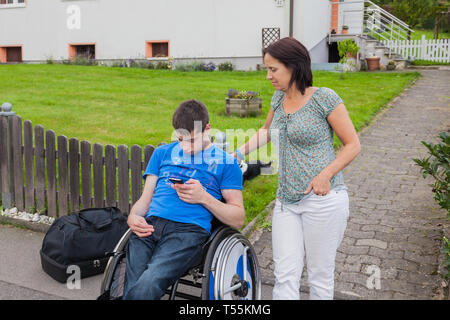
(100, 224)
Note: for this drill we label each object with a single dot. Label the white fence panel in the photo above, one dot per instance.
(432, 50)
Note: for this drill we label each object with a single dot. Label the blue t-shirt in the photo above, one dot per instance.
(214, 168)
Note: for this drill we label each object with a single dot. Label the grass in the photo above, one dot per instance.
(134, 106)
(419, 62)
(429, 35)
(416, 35)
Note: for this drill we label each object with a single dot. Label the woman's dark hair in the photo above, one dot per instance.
(187, 113)
(295, 57)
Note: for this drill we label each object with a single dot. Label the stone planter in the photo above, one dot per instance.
(243, 107)
(373, 63)
(390, 67)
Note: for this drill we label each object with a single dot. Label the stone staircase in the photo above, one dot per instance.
(371, 46)
(366, 22)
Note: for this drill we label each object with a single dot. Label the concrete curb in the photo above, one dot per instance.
(33, 226)
(436, 67)
(251, 231)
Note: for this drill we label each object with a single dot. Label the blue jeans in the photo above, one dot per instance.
(155, 262)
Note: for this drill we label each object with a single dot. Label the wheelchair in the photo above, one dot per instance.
(226, 269)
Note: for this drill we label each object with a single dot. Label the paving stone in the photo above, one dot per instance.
(352, 277)
(359, 234)
(386, 253)
(400, 264)
(372, 243)
(348, 267)
(354, 249)
(372, 294)
(366, 259)
(416, 277)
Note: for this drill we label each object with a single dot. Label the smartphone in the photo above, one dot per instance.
(176, 181)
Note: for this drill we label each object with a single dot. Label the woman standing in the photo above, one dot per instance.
(312, 206)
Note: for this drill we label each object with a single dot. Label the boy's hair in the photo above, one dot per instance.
(189, 112)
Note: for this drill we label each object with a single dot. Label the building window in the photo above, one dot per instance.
(84, 50)
(155, 49)
(11, 54)
(12, 3)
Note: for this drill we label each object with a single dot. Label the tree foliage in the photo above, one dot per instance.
(418, 14)
(437, 165)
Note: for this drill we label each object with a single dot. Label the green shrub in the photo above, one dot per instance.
(190, 66)
(82, 60)
(437, 165)
(163, 65)
(347, 47)
(226, 66)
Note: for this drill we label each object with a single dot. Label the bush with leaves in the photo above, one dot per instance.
(347, 48)
(437, 165)
(226, 66)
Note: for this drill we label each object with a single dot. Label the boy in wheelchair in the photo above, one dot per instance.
(171, 221)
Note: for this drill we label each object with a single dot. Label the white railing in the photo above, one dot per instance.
(432, 50)
(382, 25)
(365, 17)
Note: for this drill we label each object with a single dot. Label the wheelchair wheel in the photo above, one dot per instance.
(114, 275)
(231, 269)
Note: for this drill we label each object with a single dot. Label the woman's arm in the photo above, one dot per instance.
(259, 139)
(342, 124)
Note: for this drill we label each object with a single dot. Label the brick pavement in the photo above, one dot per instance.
(395, 227)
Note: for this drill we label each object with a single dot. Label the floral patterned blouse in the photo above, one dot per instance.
(304, 143)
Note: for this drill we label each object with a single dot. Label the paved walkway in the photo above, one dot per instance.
(395, 227)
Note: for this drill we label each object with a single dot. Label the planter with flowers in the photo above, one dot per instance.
(243, 103)
(344, 29)
(391, 65)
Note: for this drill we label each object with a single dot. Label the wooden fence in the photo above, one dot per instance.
(432, 50)
(40, 172)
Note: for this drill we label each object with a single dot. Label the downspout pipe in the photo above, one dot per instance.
(291, 18)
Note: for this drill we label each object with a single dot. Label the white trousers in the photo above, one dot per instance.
(313, 227)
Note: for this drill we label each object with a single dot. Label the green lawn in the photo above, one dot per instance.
(416, 35)
(134, 106)
(429, 35)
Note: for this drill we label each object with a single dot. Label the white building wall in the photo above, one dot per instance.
(194, 28)
(312, 25)
(351, 14)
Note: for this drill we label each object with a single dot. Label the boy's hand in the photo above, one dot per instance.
(191, 191)
(139, 226)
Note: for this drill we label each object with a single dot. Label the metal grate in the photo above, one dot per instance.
(269, 36)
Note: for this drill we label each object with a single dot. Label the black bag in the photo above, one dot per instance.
(83, 239)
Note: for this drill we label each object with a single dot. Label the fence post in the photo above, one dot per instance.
(6, 155)
(423, 48)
